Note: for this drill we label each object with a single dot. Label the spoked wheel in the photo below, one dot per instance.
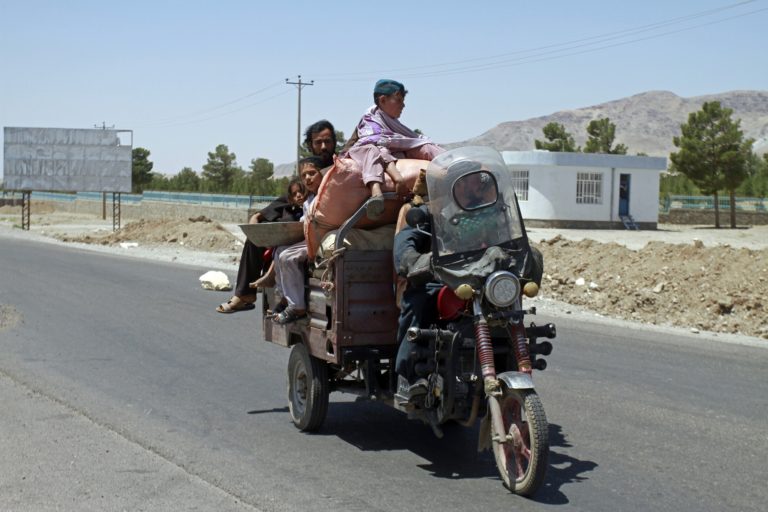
(307, 389)
(522, 459)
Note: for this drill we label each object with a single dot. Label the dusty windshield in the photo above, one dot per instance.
(472, 201)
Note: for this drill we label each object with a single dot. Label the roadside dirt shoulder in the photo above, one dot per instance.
(693, 277)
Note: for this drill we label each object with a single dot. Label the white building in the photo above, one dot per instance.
(586, 190)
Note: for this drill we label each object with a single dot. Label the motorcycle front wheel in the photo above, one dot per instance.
(522, 459)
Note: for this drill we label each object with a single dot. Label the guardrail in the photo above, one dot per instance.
(753, 204)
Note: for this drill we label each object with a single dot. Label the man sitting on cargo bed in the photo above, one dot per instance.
(320, 138)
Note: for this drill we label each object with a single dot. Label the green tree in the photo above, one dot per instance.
(279, 186)
(141, 170)
(260, 176)
(737, 172)
(186, 180)
(602, 133)
(559, 139)
(159, 182)
(221, 170)
(756, 183)
(761, 181)
(676, 184)
(340, 141)
(713, 153)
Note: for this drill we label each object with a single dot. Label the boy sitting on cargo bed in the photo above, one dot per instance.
(290, 261)
(382, 139)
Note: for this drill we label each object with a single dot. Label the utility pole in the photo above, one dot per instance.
(299, 85)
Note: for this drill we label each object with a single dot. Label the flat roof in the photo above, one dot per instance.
(561, 159)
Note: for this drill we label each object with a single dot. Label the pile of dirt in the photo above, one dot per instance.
(198, 233)
(719, 289)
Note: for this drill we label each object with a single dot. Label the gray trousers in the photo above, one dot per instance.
(290, 262)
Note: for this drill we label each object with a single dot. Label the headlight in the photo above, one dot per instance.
(502, 288)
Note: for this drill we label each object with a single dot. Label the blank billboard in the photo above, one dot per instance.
(67, 159)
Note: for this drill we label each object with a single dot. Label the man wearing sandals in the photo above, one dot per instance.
(320, 138)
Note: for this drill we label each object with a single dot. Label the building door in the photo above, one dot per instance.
(624, 180)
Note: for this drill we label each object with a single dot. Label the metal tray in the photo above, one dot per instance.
(272, 234)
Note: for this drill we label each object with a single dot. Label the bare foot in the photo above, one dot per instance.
(265, 281)
(375, 189)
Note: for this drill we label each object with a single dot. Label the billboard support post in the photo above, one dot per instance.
(26, 200)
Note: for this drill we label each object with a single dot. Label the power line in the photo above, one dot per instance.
(221, 114)
(171, 121)
(527, 56)
(542, 57)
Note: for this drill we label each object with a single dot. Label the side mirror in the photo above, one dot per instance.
(416, 217)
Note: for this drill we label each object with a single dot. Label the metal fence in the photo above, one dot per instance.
(220, 200)
(750, 204)
(754, 204)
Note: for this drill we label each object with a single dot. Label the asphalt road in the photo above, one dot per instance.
(122, 389)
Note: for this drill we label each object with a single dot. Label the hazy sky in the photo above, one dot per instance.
(188, 75)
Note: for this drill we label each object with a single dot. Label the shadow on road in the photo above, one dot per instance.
(563, 469)
(372, 426)
(269, 411)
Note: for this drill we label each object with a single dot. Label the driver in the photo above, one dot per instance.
(464, 219)
(475, 189)
(412, 251)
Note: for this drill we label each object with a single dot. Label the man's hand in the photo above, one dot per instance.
(401, 189)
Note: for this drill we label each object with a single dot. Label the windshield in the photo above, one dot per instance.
(472, 201)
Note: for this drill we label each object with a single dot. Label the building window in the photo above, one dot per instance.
(520, 182)
(589, 188)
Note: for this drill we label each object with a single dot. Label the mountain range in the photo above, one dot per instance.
(645, 123)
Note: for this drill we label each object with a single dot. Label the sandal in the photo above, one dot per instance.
(374, 207)
(234, 305)
(287, 316)
(279, 308)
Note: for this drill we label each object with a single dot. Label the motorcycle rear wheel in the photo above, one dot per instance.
(522, 460)
(308, 389)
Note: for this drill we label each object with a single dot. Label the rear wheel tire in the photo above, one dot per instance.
(308, 389)
(522, 459)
